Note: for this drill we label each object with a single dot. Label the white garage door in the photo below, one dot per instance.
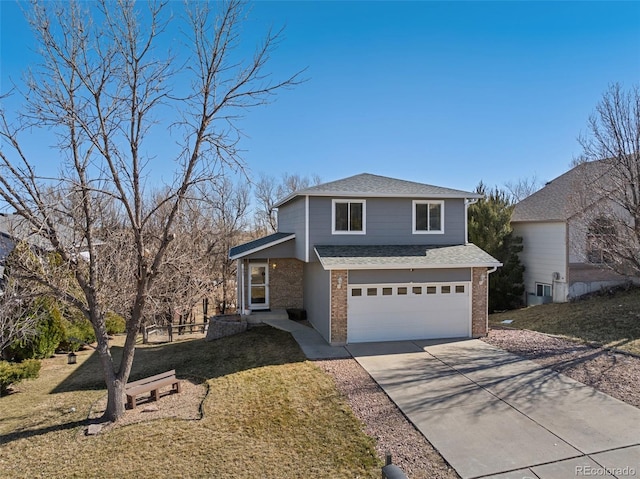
(391, 312)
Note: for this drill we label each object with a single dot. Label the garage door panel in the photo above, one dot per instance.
(374, 316)
(384, 328)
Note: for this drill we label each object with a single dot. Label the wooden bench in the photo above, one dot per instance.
(152, 384)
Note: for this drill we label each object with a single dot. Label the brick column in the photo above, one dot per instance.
(285, 283)
(479, 302)
(339, 280)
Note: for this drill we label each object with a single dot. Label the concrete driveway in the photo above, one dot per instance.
(493, 414)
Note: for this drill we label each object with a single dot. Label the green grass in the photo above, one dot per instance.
(269, 413)
(609, 321)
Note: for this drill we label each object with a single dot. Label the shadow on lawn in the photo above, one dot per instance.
(198, 359)
(28, 433)
(262, 346)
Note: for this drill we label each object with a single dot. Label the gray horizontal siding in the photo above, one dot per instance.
(291, 218)
(317, 298)
(388, 222)
(408, 276)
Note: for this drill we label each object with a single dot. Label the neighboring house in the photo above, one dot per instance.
(561, 227)
(371, 258)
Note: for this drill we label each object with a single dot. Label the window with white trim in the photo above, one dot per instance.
(348, 217)
(543, 289)
(428, 217)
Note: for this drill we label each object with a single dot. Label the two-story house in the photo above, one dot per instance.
(371, 258)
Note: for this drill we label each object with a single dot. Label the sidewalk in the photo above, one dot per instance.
(312, 344)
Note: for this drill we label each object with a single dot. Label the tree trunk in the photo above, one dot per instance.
(116, 381)
(115, 400)
(115, 388)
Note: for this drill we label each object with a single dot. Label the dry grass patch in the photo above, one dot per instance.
(268, 413)
(610, 321)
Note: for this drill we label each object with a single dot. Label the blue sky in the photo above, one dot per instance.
(445, 93)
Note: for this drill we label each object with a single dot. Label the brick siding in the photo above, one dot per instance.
(339, 306)
(479, 302)
(285, 283)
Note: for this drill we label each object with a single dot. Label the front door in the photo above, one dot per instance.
(258, 286)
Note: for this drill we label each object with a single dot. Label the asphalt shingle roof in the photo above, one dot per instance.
(561, 198)
(370, 185)
(403, 256)
(259, 244)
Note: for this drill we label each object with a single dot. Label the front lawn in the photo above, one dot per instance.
(609, 320)
(268, 413)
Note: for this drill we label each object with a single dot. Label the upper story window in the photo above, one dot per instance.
(349, 217)
(428, 217)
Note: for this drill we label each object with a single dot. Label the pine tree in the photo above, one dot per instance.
(490, 229)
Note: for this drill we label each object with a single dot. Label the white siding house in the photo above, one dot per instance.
(554, 225)
(545, 256)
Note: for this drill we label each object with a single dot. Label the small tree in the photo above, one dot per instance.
(490, 229)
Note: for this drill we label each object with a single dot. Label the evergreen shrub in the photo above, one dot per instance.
(12, 373)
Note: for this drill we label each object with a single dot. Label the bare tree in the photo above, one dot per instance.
(15, 323)
(609, 192)
(103, 87)
(521, 188)
(228, 205)
(268, 191)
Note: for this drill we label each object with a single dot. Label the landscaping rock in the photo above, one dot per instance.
(225, 325)
(151, 408)
(94, 429)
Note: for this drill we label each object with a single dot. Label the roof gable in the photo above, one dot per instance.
(369, 185)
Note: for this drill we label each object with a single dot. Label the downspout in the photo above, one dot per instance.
(467, 202)
(242, 307)
(306, 228)
(489, 271)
